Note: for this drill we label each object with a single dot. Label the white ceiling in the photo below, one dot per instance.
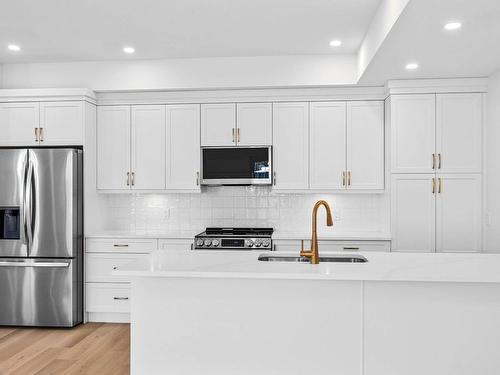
(418, 36)
(63, 30)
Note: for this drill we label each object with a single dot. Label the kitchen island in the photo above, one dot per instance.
(225, 313)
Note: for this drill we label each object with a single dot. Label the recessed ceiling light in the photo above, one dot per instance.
(13, 47)
(411, 66)
(129, 50)
(335, 43)
(453, 26)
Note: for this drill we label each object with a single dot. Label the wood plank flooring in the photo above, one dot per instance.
(93, 348)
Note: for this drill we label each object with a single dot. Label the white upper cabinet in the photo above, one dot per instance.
(113, 147)
(458, 213)
(291, 145)
(19, 123)
(218, 124)
(148, 147)
(328, 145)
(413, 129)
(61, 123)
(413, 212)
(365, 145)
(459, 132)
(183, 147)
(254, 124)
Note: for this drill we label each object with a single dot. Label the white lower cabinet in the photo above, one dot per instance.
(107, 296)
(458, 213)
(439, 213)
(413, 212)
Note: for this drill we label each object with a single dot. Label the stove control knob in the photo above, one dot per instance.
(258, 243)
(248, 243)
(215, 243)
(266, 243)
(199, 242)
(208, 242)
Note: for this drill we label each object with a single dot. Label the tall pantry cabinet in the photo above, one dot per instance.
(436, 172)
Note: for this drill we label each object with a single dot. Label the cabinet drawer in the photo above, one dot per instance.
(383, 246)
(333, 245)
(121, 245)
(99, 267)
(175, 244)
(107, 297)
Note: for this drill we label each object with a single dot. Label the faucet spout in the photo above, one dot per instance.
(313, 254)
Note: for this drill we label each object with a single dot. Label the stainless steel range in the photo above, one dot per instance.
(234, 239)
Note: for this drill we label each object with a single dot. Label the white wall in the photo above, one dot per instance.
(230, 72)
(492, 230)
(384, 19)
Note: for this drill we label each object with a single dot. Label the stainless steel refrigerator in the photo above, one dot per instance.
(41, 237)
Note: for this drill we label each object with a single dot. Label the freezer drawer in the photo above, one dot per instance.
(41, 292)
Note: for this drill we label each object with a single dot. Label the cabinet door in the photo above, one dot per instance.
(328, 145)
(291, 145)
(458, 213)
(61, 123)
(365, 145)
(218, 124)
(413, 212)
(459, 132)
(183, 146)
(113, 147)
(148, 147)
(18, 122)
(254, 124)
(413, 133)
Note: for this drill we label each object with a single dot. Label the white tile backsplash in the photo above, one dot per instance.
(243, 206)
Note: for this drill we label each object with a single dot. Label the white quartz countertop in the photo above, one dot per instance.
(474, 268)
(277, 235)
(142, 234)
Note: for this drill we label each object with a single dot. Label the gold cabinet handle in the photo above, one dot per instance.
(433, 161)
(233, 133)
(133, 178)
(36, 134)
(439, 161)
(433, 185)
(343, 178)
(41, 134)
(197, 178)
(238, 134)
(349, 178)
(128, 178)
(439, 185)
(274, 178)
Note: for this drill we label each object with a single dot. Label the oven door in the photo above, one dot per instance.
(236, 166)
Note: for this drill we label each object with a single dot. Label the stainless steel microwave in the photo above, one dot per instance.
(236, 166)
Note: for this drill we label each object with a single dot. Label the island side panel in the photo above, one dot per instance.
(416, 328)
(246, 326)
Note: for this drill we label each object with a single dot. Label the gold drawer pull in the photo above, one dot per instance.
(120, 298)
(120, 245)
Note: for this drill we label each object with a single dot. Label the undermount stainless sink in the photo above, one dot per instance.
(341, 258)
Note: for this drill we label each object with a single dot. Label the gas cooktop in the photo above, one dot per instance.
(234, 239)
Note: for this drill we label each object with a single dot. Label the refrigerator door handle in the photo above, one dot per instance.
(34, 264)
(28, 202)
(25, 200)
